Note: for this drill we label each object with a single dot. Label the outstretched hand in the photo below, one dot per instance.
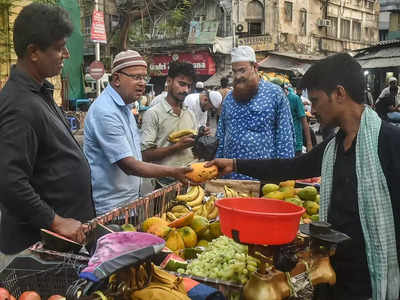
(224, 165)
(180, 172)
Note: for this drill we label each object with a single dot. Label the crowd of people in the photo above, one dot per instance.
(50, 182)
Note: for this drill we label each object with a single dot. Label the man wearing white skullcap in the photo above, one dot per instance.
(112, 141)
(386, 91)
(201, 103)
(255, 120)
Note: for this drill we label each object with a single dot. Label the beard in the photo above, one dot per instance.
(243, 91)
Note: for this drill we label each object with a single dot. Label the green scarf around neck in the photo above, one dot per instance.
(375, 206)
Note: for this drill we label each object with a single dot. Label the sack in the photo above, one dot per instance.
(204, 147)
(163, 286)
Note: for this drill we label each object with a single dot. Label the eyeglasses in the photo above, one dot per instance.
(136, 77)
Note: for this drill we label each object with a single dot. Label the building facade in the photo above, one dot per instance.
(389, 20)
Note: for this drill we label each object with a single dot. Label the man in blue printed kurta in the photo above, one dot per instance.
(255, 121)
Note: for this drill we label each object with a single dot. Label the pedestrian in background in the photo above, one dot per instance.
(300, 123)
(255, 120)
(202, 103)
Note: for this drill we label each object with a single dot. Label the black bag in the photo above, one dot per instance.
(204, 147)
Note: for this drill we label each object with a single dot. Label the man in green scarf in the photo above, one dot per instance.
(360, 176)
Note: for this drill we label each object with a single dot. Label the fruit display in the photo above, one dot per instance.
(175, 136)
(231, 193)
(200, 173)
(306, 197)
(187, 231)
(27, 295)
(223, 259)
(196, 201)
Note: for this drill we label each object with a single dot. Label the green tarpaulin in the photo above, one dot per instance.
(73, 66)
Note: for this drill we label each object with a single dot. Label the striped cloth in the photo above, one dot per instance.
(375, 207)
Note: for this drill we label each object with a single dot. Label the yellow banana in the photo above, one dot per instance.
(199, 198)
(209, 205)
(191, 195)
(196, 208)
(213, 214)
(178, 215)
(243, 195)
(231, 192)
(174, 136)
(179, 209)
(199, 212)
(204, 212)
(171, 217)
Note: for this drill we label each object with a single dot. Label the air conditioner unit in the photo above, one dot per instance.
(241, 27)
(324, 23)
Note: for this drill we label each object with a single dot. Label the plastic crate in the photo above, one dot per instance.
(30, 273)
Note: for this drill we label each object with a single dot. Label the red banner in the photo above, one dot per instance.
(202, 61)
(98, 31)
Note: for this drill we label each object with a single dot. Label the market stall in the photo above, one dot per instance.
(220, 234)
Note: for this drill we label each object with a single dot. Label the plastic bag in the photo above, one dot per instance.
(204, 147)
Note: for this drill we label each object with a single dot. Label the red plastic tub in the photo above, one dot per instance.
(259, 221)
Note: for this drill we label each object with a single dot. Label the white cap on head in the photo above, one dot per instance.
(243, 53)
(127, 59)
(199, 85)
(392, 79)
(215, 98)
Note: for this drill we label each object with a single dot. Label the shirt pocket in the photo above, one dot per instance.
(256, 120)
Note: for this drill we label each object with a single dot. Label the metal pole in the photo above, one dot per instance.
(97, 52)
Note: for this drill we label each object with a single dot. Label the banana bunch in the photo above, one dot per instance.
(231, 193)
(207, 210)
(175, 136)
(176, 212)
(194, 196)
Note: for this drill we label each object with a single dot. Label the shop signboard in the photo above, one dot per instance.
(202, 32)
(202, 61)
(98, 31)
(258, 42)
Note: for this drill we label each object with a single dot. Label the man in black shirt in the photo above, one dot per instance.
(337, 99)
(45, 180)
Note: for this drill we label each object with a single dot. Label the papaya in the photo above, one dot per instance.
(199, 224)
(308, 193)
(182, 221)
(269, 187)
(153, 220)
(201, 174)
(189, 236)
(159, 230)
(174, 240)
(290, 183)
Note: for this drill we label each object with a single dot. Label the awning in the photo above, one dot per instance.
(274, 62)
(383, 62)
(215, 80)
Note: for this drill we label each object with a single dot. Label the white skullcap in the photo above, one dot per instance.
(391, 79)
(199, 85)
(127, 59)
(243, 53)
(215, 98)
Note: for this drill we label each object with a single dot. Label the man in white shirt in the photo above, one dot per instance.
(201, 103)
